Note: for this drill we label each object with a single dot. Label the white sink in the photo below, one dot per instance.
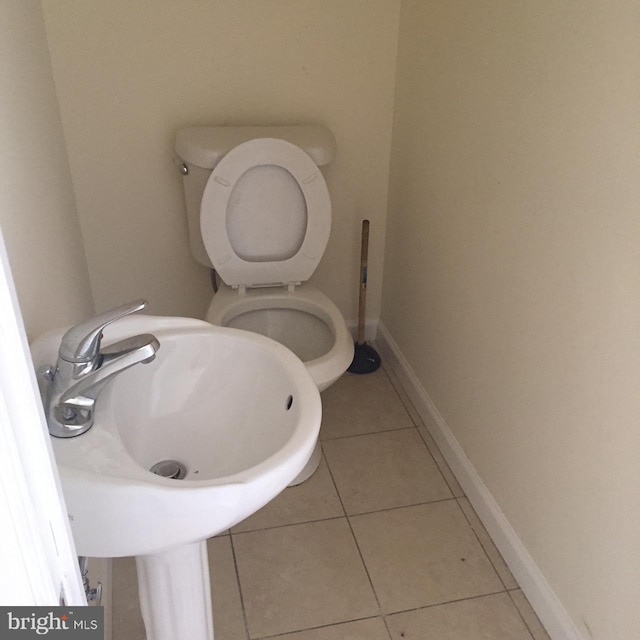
(238, 410)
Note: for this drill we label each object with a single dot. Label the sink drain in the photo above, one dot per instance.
(169, 469)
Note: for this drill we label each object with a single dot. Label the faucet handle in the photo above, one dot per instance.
(81, 343)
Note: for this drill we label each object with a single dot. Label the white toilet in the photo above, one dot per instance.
(259, 213)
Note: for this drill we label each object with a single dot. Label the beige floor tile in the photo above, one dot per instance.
(488, 545)
(487, 618)
(315, 499)
(423, 555)
(127, 619)
(445, 470)
(302, 576)
(529, 615)
(228, 619)
(371, 629)
(384, 470)
(358, 404)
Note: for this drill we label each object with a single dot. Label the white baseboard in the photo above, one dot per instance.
(546, 604)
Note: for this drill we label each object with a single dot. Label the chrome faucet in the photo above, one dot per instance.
(83, 369)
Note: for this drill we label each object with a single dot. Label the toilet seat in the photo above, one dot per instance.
(265, 214)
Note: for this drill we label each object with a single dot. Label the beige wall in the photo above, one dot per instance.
(512, 283)
(128, 74)
(37, 209)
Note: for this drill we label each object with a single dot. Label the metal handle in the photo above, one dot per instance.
(82, 342)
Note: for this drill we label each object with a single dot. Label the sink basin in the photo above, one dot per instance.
(236, 413)
(239, 411)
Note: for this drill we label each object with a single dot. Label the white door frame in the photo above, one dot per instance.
(38, 560)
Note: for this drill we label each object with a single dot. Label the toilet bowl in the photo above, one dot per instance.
(260, 214)
(306, 321)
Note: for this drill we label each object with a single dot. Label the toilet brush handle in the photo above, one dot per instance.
(362, 302)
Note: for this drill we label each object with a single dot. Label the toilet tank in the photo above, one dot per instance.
(199, 149)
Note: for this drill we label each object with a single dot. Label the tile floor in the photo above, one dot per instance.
(380, 544)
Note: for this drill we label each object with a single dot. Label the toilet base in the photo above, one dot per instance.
(310, 467)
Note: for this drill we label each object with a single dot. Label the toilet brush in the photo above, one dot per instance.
(365, 357)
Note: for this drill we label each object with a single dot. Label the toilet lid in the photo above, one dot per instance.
(265, 214)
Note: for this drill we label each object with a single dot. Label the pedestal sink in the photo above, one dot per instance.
(235, 413)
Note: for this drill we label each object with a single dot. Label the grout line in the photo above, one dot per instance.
(348, 515)
(366, 570)
(402, 506)
(405, 401)
(520, 614)
(399, 397)
(435, 462)
(277, 526)
(486, 553)
(355, 540)
(444, 477)
(386, 625)
(447, 602)
(322, 626)
(433, 457)
(235, 564)
(290, 524)
(369, 433)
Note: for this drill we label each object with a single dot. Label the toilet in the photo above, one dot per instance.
(259, 213)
